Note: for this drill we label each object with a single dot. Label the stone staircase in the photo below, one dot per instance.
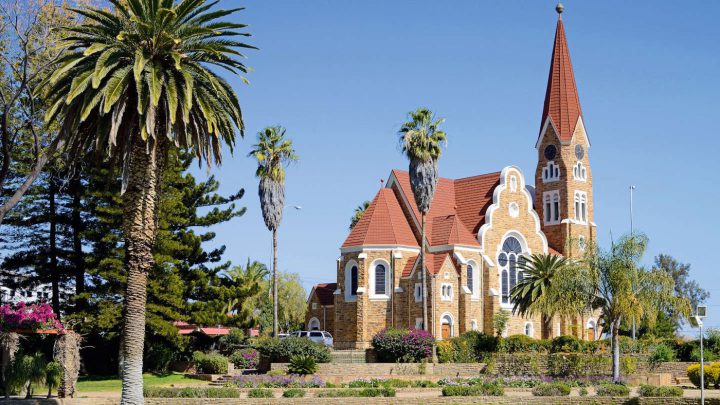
(348, 356)
(682, 381)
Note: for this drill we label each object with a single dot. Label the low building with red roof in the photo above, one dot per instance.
(478, 231)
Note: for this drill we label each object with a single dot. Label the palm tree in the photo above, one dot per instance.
(531, 295)
(250, 278)
(273, 152)
(359, 211)
(134, 82)
(420, 139)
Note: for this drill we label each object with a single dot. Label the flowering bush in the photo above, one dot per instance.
(28, 317)
(276, 381)
(245, 358)
(403, 345)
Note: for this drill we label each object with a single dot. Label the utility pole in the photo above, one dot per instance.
(631, 235)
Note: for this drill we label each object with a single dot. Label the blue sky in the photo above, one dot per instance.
(341, 76)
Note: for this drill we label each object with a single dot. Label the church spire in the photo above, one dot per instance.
(562, 104)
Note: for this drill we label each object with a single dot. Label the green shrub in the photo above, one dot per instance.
(662, 391)
(348, 392)
(483, 389)
(709, 356)
(408, 346)
(235, 340)
(294, 393)
(566, 344)
(556, 389)
(282, 350)
(577, 365)
(191, 392)
(210, 363)
(628, 365)
(612, 390)
(583, 392)
(302, 365)
(446, 351)
(158, 356)
(661, 353)
(481, 342)
(260, 393)
(522, 343)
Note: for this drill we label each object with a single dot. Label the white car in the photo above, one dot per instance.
(317, 336)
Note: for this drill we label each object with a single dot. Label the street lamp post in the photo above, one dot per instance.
(631, 234)
(697, 321)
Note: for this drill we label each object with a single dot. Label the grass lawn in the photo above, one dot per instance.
(112, 383)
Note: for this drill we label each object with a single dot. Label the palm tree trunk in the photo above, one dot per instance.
(139, 227)
(275, 284)
(422, 269)
(616, 350)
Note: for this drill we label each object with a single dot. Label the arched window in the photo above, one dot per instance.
(579, 172)
(508, 260)
(581, 206)
(314, 324)
(446, 292)
(470, 278)
(551, 172)
(473, 325)
(529, 329)
(353, 280)
(380, 279)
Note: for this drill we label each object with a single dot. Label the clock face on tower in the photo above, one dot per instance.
(579, 152)
(550, 152)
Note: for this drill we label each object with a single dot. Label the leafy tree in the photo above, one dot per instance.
(359, 211)
(273, 151)
(29, 50)
(291, 304)
(53, 374)
(685, 287)
(613, 275)
(421, 139)
(133, 82)
(28, 370)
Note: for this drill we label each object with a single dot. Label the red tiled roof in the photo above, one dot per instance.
(383, 223)
(434, 261)
(407, 270)
(473, 196)
(552, 251)
(449, 230)
(221, 331)
(467, 199)
(325, 292)
(562, 103)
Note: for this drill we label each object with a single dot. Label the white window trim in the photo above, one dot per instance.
(549, 198)
(581, 207)
(525, 251)
(532, 329)
(311, 321)
(580, 172)
(443, 296)
(314, 305)
(418, 323)
(475, 292)
(373, 295)
(473, 324)
(550, 172)
(418, 297)
(349, 296)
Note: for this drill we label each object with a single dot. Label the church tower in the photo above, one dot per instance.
(563, 179)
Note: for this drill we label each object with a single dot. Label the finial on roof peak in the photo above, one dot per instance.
(559, 8)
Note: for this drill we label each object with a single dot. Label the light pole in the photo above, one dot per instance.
(631, 234)
(697, 321)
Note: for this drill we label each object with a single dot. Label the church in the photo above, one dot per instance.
(478, 229)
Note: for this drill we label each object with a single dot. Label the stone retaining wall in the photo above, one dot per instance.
(386, 370)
